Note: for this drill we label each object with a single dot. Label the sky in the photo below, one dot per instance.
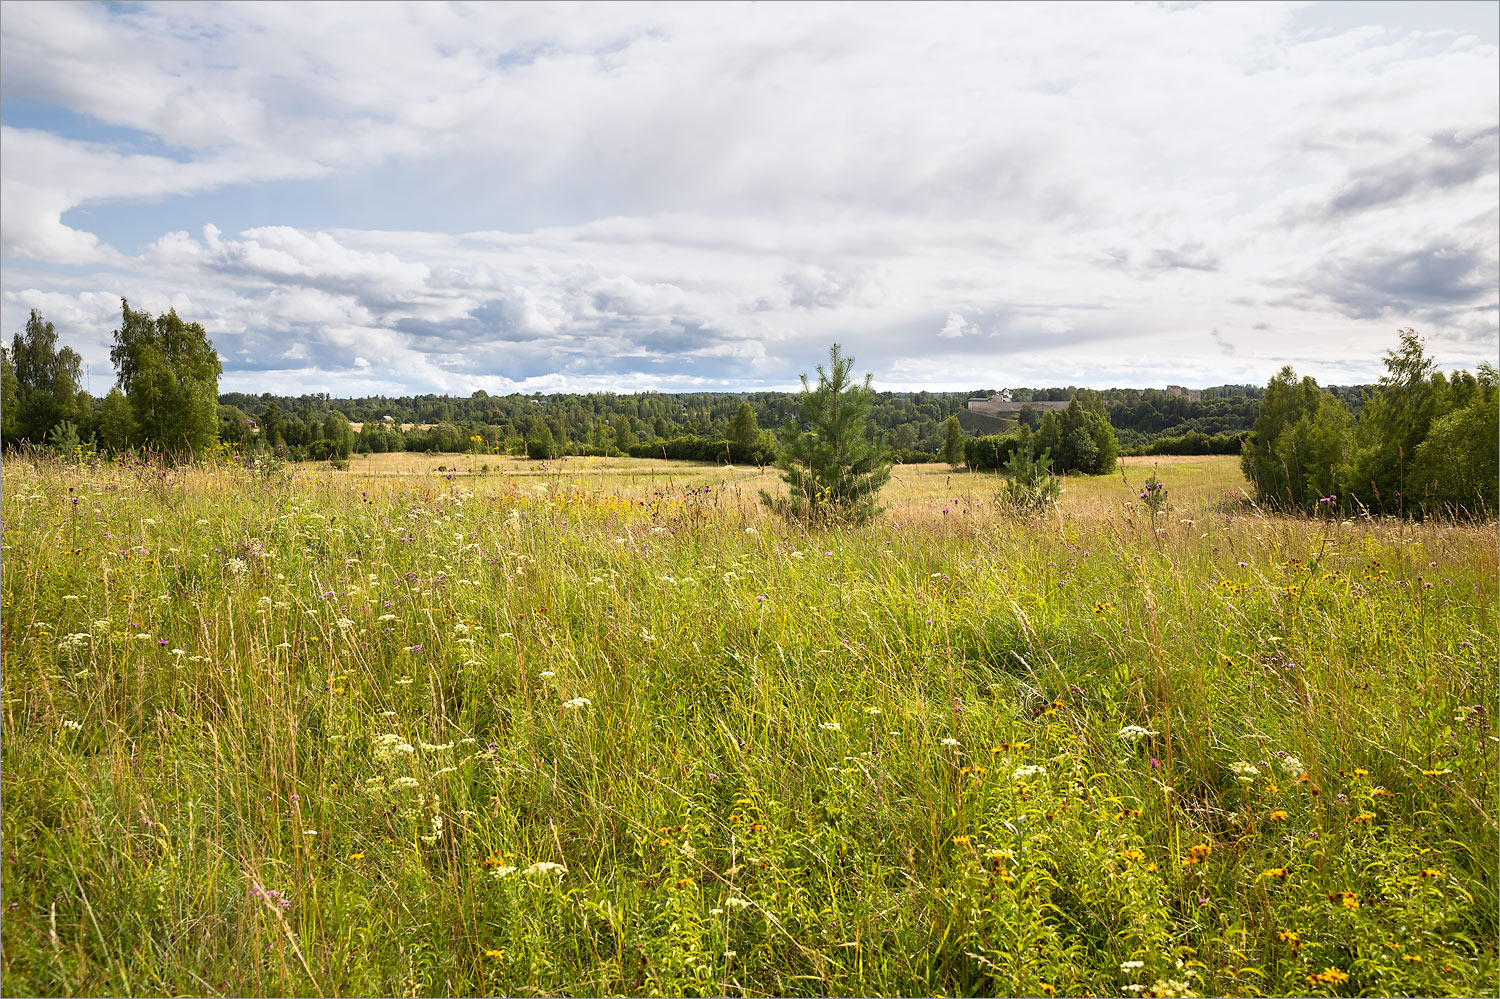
(392, 199)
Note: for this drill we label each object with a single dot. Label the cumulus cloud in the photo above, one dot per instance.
(690, 196)
(955, 327)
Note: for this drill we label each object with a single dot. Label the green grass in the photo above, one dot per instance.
(313, 734)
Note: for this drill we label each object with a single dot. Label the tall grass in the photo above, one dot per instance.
(329, 733)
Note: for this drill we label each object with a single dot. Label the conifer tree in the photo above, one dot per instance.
(832, 468)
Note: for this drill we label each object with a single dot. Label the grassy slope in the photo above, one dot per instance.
(353, 689)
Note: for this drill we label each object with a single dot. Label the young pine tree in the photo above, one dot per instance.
(833, 470)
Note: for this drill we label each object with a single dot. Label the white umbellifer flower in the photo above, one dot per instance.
(344, 622)
(831, 726)
(1133, 733)
(73, 642)
(1022, 773)
(390, 745)
(577, 702)
(950, 742)
(404, 783)
(71, 725)
(1291, 765)
(751, 530)
(1131, 965)
(547, 674)
(735, 902)
(430, 747)
(386, 617)
(545, 867)
(502, 872)
(872, 711)
(236, 566)
(731, 953)
(1244, 771)
(71, 596)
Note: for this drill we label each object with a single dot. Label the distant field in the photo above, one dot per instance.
(603, 727)
(914, 489)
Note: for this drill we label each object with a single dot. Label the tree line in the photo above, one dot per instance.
(166, 397)
(1417, 442)
(1421, 443)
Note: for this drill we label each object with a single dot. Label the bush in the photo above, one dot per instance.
(715, 449)
(1031, 487)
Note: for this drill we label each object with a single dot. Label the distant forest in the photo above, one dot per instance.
(912, 422)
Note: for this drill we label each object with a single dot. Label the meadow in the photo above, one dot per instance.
(604, 727)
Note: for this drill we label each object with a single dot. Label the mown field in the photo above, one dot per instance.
(605, 728)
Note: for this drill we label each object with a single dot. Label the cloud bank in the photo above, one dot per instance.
(531, 198)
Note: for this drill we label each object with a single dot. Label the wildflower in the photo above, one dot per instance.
(1328, 976)
(1278, 816)
(1244, 771)
(1197, 855)
(1133, 854)
(547, 674)
(872, 711)
(1428, 872)
(1380, 792)
(545, 867)
(1289, 938)
(1274, 872)
(1435, 773)
(1411, 957)
(735, 902)
(494, 954)
(950, 742)
(1133, 733)
(356, 856)
(1291, 765)
(578, 702)
(1348, 898)
(1132, 965)
(831, 726)
(961, 840)
(1363, 818)
(1024, 773)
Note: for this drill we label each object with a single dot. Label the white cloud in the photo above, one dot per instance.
(956, 327)
(681, 195)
